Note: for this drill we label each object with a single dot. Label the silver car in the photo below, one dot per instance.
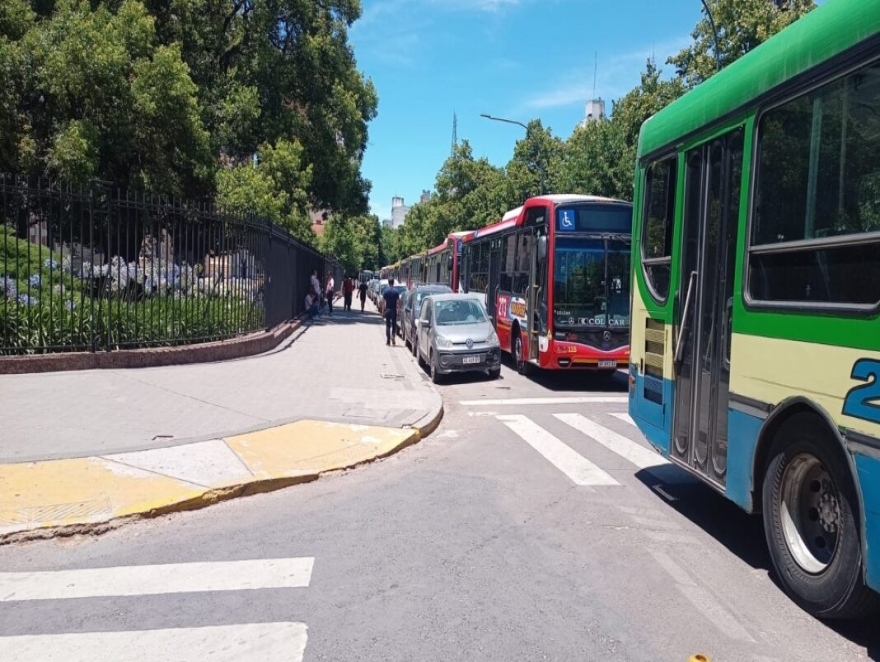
(454, 334)
(411, 306)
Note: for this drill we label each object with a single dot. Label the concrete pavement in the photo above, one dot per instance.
(86, 449)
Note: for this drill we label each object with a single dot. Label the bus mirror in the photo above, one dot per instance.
(542, 248)
(449, 263)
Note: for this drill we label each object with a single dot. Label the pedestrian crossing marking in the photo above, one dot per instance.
(156, 579)
(266, 642)
(626, 418)
(580, 400)
(626, 448)
(579, 469)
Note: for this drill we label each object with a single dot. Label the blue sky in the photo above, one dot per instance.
(519, 59)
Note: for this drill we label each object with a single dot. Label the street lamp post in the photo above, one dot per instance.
(528, 133)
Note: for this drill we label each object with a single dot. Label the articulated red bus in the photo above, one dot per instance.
(556, 277)
(443, 262)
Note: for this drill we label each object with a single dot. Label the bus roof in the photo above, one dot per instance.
(516, 216)
(826, 31)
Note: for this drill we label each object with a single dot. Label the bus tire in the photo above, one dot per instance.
(522, 367)
(810, 513)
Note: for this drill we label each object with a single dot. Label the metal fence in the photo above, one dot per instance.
(99, 269)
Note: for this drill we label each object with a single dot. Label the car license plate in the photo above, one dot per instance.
(471, 359)
(607, 364)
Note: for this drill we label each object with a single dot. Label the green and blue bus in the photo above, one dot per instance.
(755, 351)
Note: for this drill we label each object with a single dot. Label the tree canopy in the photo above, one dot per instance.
(178, 96)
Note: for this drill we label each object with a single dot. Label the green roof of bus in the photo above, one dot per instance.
(822, 33)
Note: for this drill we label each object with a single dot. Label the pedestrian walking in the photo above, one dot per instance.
(391, 296)
(330, 289)
(347, 291)
(362, 290)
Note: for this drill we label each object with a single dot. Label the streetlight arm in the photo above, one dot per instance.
(501, 119)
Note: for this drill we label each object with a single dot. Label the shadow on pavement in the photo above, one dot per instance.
(739, 532)
(579, 380)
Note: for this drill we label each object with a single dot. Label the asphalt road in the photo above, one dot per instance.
(522, 529)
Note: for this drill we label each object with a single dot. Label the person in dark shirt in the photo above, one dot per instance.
(362, 290)
(391, 296)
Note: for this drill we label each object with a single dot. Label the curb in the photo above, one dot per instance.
(178, 496)
(153, 357)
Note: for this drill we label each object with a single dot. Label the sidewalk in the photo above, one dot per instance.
(86, 448)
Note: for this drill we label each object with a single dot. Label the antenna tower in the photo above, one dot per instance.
(595, 72)
(454, 132)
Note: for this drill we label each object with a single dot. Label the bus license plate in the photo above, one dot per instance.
(607, 364)
(471, 359)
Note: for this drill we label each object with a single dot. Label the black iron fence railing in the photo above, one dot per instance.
(99, 269)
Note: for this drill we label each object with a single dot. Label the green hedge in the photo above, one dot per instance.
(160, 321)
(56, 313)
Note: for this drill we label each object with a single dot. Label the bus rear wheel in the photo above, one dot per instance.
(522, 367)
(811, 522)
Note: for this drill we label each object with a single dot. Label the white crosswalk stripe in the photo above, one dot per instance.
(579, 469)
(617, 443)
(267, 642)
(156, 579)
(562, 400)
(626, 418)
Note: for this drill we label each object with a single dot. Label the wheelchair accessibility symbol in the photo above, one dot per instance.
(566, 219)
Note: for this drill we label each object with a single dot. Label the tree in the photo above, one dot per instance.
(355, 242)
(166, 95)
(274, 188)
(741, 25)
(536, 157)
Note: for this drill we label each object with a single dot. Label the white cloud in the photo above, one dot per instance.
(616, 76)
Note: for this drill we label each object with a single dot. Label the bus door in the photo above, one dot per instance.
(704, 306)
(494, 277)
(532, 298)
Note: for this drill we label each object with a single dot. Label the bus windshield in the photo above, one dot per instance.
(591, 283)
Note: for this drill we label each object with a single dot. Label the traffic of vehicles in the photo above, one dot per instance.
(748, 318)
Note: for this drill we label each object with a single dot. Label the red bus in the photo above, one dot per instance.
(556, 275)
(443, 262)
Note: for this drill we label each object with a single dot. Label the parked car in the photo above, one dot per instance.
(411, 305)
(376, 292)
(455, 334)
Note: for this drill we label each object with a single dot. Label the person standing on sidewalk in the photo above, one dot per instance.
(391, 295)
(331, 287)
(347, 291)
(316, 286)
(362, 291)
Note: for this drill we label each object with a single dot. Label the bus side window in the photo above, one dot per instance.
(658, 215)
(815, 236)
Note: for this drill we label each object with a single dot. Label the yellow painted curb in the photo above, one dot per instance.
(92, 495)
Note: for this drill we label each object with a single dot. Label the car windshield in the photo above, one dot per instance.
(459, 311)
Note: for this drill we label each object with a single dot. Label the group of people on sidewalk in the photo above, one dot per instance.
(315, 302)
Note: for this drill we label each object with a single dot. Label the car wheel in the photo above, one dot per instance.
(495, 373)
(811, 522)
(435, 371)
